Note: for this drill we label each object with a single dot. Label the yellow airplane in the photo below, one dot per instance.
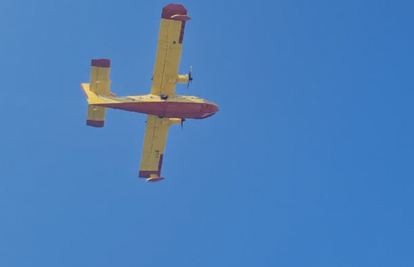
(163, 106)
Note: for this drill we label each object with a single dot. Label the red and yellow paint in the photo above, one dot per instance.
(163, 106)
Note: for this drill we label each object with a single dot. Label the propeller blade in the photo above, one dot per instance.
(190, 77)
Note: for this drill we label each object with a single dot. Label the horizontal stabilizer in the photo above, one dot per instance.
(100, 83)
(96, 116)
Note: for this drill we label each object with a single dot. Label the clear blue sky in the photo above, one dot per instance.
(308, 163)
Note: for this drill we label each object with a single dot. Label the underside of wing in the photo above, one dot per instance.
(154, 147)
(174, 17)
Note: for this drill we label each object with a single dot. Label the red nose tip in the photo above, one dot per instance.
(213, 108)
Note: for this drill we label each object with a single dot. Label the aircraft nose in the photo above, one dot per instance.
(214, 108)
(209, 110)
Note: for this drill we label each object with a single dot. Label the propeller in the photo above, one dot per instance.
(182, 123)
(190, 77)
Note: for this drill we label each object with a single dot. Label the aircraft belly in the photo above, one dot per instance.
(185, 110)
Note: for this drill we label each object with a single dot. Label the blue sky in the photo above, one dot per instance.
(308, 163)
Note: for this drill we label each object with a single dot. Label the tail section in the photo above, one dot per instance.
(100, 85)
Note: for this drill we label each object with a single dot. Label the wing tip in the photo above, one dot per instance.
(152, 176)
(101, 62)
(175, 12)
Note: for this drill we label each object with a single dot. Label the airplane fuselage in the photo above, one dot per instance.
(163, 106)
(175, 106)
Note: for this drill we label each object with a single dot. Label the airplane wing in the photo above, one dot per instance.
(169, 50)
(154, 146)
